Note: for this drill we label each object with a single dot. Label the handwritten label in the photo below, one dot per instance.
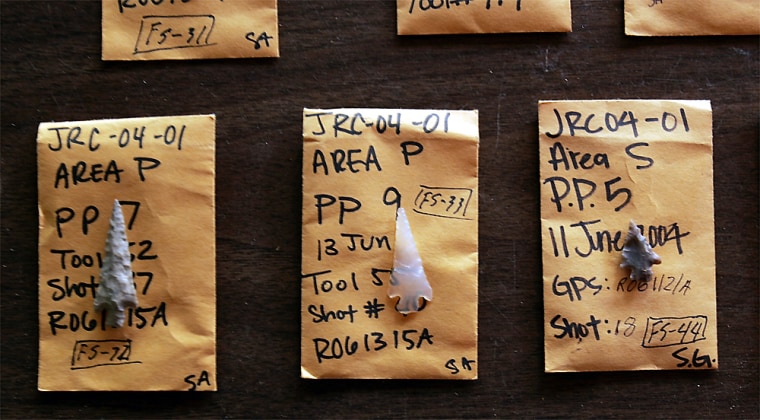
(359, 166)
(171, 32)
(663, 332)
(426, 17)
(149, 165)
(602, 164)
(189, 29)
(93, 353)
(672, 17)
(443, 202)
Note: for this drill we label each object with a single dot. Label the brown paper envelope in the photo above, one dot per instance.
(181, 30)
(692, 17)
(603, 164)
(358, 166)
(162, 171)
(427, 17)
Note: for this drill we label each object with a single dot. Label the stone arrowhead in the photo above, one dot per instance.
(116, 290)
(638, 254)
(408, 279)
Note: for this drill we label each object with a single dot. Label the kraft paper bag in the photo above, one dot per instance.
(428, 17)
(605, 165)
(359, 167)
(161, 170)
(692, 17)
(182, 30)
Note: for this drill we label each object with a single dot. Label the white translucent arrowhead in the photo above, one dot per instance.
(116, 290)
(408, 279)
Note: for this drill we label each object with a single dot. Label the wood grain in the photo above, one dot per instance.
(344, 53)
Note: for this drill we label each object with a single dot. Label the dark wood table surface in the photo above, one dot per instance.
(343, 53)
